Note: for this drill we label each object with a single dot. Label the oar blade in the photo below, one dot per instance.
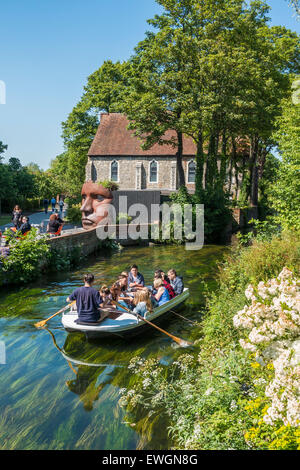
(42, 323)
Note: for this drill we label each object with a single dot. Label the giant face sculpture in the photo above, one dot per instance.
(94, 199)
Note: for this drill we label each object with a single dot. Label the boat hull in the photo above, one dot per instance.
(126, 325)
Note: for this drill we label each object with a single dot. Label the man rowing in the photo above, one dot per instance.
(88, 302)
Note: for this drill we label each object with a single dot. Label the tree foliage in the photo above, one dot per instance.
(285, 192)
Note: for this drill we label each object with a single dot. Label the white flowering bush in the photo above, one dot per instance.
(272, 324)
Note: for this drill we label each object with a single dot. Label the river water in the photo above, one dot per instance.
(58, 391)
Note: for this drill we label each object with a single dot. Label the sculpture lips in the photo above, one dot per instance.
(88, 222)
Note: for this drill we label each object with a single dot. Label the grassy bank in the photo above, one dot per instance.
(5, 219)
(215, 396)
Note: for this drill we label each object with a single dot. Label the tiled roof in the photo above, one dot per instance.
(113, 138)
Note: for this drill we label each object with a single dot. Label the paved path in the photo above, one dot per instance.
(39, 218)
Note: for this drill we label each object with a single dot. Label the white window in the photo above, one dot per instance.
(114, 171)
(191, 172)
(153, 172)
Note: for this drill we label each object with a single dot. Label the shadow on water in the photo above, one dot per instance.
(59, 391)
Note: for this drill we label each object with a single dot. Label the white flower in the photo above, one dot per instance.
(209, 391)
(273, 332)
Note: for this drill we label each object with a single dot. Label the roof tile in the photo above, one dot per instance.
(113, 138)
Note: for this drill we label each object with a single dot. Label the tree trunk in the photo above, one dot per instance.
(199, 165)
(181, 177)
(236, 168)
(211, 166)
(254, 171)
(223, 159)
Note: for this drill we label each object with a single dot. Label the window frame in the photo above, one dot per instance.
(118, 171)
(188, 171)
(157, 172)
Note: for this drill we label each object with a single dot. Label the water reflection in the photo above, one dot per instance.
(59, 391)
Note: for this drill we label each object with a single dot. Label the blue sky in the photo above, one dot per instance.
(49, 47)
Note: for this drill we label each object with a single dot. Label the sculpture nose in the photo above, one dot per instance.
(87, 207)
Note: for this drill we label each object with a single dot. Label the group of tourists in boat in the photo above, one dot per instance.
(127, 293)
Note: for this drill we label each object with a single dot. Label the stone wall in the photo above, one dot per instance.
(134, 172)
(86, 241)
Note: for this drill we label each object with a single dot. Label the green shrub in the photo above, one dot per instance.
(74, 214)
(111, 185)
(123, 218)
(27, 257)
(217, 214)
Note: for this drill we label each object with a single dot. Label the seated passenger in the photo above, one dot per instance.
(159, 274)
(119, 296)
(106, 297)
(162, 295)
(25, 225)
(61, 221)
(53, 225)
(176, 281)
(142, 302)
(123, 282)
(135, 279)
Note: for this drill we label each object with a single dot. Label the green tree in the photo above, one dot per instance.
(285, 192)
(296, 5)
(200, 75)
(102, 93)
(5, 177)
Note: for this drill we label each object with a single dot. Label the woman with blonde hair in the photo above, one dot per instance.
(142, 302)
(162, 295)
(105, 296)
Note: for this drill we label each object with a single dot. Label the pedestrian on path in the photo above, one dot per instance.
(53, 203)
(61, 207)
(16, 217)
(46, 205)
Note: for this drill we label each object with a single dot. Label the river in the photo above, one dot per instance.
(58, 391)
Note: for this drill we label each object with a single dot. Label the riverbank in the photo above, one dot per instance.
(222, 387)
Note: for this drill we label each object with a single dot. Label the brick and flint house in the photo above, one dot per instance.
(116, 155)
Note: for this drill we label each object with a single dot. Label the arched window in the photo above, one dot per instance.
(153, 172)
(114, 171)
(94, 172)
(191, 172)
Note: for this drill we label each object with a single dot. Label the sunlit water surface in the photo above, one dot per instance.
(58, 391)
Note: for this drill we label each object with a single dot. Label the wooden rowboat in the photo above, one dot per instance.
(125, 324)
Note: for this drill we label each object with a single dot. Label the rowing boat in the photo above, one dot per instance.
(125, 324)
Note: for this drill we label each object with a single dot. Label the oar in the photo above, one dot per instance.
(42, 323)
(179, 341)
(183, 318)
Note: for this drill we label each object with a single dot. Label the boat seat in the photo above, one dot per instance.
(86, 323)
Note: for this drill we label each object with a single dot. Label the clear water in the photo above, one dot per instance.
(58, 391)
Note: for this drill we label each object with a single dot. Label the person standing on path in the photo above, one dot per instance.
(53, 203)
(61, 207)
(46, 205)
(16, 217)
